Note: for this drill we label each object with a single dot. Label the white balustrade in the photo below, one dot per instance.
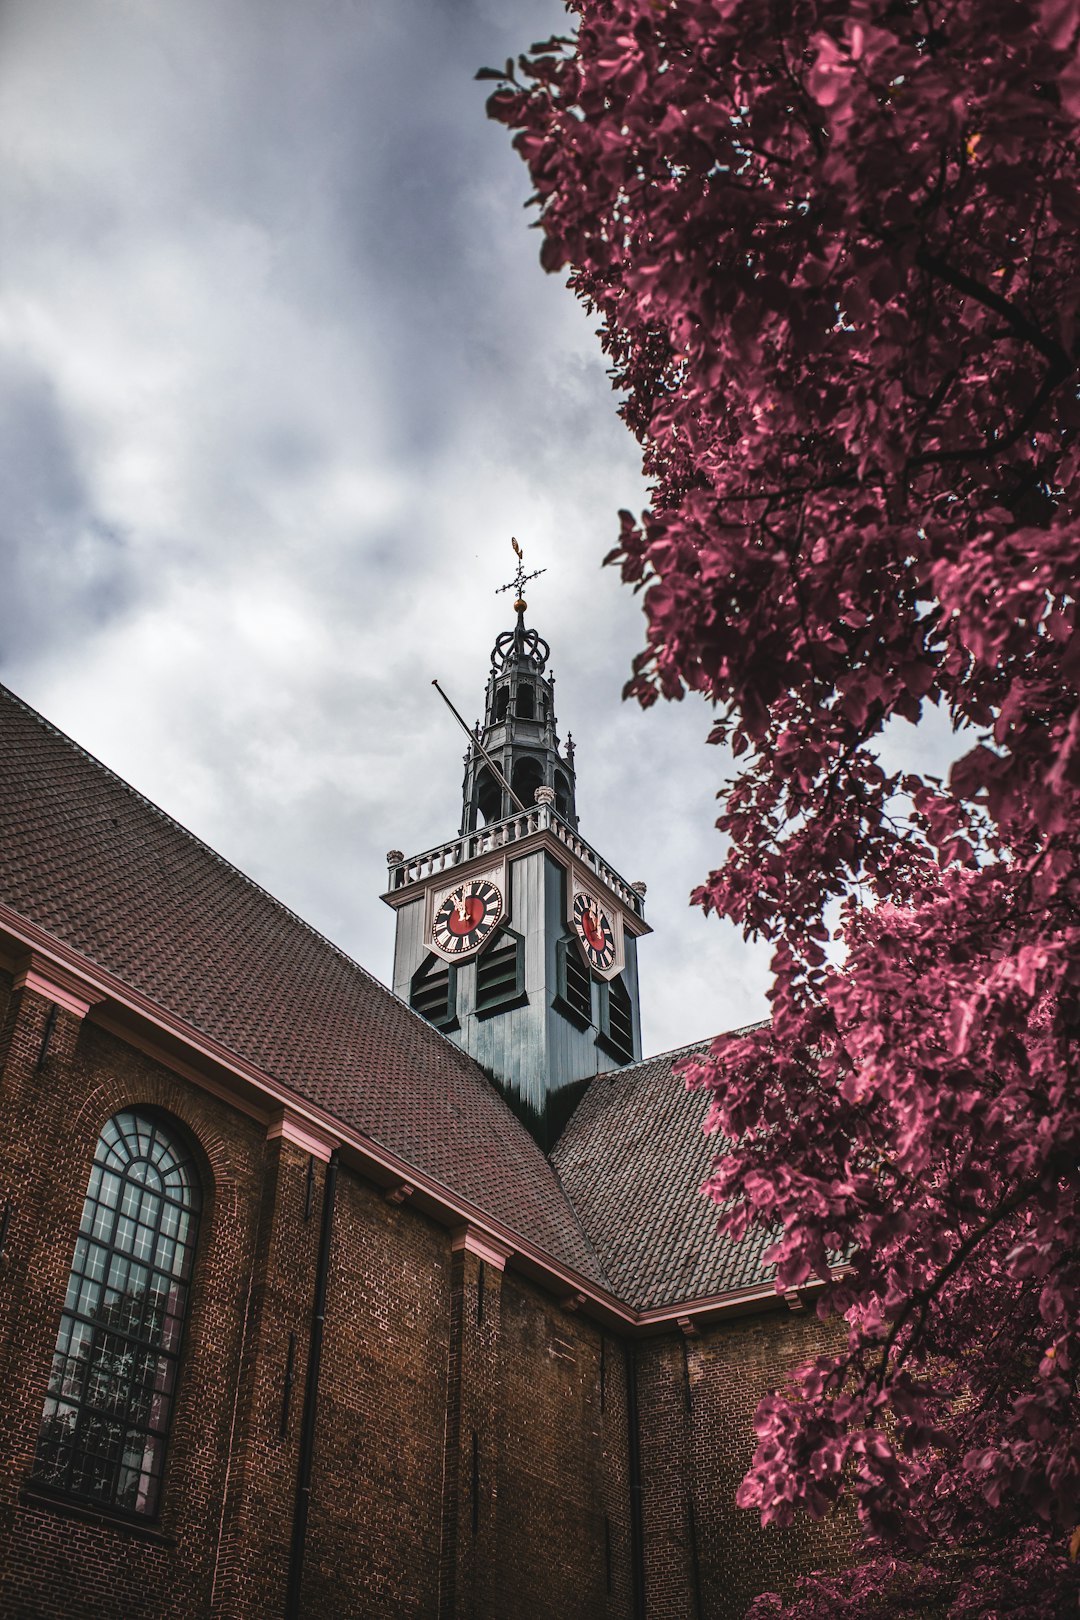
(497, 835)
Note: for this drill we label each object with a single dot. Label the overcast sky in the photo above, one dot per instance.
(280, 376)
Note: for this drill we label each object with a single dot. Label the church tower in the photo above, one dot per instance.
(516, 938)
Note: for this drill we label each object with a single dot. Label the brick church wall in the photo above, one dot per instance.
(538, 1503)
(471, 1451)
(564, 1520)
(705, 1558)
(61, 1559)
(374, 1530)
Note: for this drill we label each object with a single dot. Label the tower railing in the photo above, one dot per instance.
(496, 836)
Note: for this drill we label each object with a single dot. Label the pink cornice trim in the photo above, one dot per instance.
(368, 1157)
(294, 1130)
(42, 985)
(103, 1019)
(701, 1310)
(485, 1248)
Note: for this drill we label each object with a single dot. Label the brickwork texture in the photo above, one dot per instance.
(472, 1455)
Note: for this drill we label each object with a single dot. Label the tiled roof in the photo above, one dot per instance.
(102, 869)
(632, 1160)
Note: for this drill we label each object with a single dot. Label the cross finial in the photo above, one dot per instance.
(520, 579)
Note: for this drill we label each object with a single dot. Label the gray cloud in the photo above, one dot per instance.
(66, 572)
(281, 377)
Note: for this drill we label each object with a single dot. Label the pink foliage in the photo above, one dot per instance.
(835, 249)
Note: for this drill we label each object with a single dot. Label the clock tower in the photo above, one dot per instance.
(516, 938)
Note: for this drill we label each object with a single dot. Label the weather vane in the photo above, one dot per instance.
(520, 579)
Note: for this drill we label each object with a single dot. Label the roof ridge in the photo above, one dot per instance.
(680, 1051)
(222, 860)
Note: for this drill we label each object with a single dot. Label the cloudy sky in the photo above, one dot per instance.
(280, 376)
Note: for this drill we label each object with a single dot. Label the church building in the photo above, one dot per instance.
(323, 1299)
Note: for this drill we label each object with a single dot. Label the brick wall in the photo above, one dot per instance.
(471, 1449)
(470, 1455)
(563, 1519)
(705, 1558)
(60, 1559)
(374, 1529)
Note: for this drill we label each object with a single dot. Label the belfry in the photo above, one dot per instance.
(516, 938)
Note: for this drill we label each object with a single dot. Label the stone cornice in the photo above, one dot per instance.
(292, 1128)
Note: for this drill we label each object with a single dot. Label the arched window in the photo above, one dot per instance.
(528, 776)
(526, 702)
(113, 1378)
(488, 797)
(562, 795)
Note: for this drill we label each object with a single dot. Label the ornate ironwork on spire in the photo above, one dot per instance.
(520, 644)
(519, 727)
(520, 579)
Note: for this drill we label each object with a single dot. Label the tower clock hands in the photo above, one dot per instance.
(594, 931)
(466, 916)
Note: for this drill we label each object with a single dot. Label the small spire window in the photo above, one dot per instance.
(489, 797)
(528, 776)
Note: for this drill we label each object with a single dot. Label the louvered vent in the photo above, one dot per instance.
(620, 1021)
(577, 982)
(431, 993)
(499, 972)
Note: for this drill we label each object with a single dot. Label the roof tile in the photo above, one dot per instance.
(87, 858)
(632, 1160)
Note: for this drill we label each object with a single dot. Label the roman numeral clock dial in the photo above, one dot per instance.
(594, 931)
(466, 916)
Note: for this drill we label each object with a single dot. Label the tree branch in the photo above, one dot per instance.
(1016, 319)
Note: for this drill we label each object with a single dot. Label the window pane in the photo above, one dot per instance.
(111, 1387)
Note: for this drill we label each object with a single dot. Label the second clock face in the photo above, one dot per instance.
(594, 930)
(466, 916)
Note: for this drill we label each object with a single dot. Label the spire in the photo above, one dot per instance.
(519, 726)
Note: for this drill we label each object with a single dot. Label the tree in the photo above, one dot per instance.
(834, 246)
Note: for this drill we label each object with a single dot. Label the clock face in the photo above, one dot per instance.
(594, 930)
(466, 916)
